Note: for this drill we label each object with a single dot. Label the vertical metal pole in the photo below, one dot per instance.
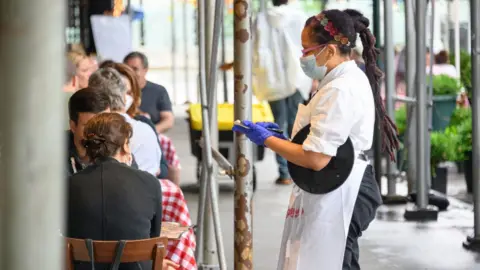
(389, 83)
(430, 99)
(224, 72)
(185, 50)
(212, 87)
(377, 139)
(410, 84)
(210, 251)
(421, 211)
(142, 27)
(202, 205)
(475, 22)
(475, 19)
(31, 185)
(420, 83)
(208, 189)
(173, 50)
(243, 247)
(456, 10)
(473, 242)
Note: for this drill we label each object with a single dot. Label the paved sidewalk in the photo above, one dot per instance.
(389, 244)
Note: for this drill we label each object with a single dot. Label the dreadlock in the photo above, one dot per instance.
(350, 22)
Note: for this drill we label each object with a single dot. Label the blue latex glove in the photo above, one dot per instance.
(268, 125)
(257, 134)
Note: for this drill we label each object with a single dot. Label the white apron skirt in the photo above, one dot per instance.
(316, 225)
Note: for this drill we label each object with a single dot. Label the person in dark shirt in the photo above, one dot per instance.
(83, 105)
(109, 200)
(155, 100)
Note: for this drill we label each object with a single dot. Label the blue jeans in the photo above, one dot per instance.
(284, 111)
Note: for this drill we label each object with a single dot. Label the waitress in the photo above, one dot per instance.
(322, 230)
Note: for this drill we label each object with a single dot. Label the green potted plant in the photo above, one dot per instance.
(401, 122)
(461, 124)
(445, 90)
(465, 69)
(443, 148)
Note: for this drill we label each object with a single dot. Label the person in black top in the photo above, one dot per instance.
(155, 100)
(109, 200)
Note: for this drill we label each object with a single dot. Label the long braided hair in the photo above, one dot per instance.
(350, 22)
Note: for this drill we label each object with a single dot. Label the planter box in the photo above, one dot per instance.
(439, 181)
(468, 166)
(443, 107)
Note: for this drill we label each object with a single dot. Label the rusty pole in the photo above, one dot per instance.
(243, 249)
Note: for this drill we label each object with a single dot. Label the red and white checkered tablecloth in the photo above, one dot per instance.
(169, 150)
(175, 210)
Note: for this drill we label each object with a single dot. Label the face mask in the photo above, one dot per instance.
(310, 68)
(128, 102)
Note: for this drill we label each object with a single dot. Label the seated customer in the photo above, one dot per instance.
(168, 170)
(109, 200)
(82, 106)
(155, 99)
(144, 141)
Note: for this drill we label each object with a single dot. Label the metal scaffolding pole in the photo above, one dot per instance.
(391, 196)
(430, 99)
(377, 140)
(473, 242)
(243, 247)
(210, 251)
(224, 72)
(421, 211)
(173, 50)
(410, 85)
(456, 29)
(185, 50)
(31, 137)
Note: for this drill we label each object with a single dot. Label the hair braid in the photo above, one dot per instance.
(389, 130)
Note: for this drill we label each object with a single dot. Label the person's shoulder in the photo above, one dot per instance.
(155, 87)
(148, 179)
(127, 171)
(86, 173)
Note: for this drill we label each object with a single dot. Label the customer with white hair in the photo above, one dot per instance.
(144, 142)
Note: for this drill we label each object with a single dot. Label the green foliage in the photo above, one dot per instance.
(445, 85)
(401, 119)
(465, 69)
(444, 147)
(460, 115)
(461, 126)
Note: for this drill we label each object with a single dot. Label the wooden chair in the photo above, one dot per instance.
(109, 251)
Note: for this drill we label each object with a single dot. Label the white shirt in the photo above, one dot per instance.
(276, 53)
(342, 107)
(443, 69)
(144, 146)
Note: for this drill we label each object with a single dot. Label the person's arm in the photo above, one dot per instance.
(164, 106)
(296, 154)
(156, 222)
(331, 120)
(163, 167)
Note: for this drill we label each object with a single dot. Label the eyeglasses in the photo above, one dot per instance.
(307, 50)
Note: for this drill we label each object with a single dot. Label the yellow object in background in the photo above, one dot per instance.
(260, 113)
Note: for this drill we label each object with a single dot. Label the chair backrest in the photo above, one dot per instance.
(106, 251)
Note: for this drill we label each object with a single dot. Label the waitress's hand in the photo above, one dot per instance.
(256, 133)
(268, 125)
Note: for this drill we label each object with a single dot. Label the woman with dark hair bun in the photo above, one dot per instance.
(322, 227)
(109, 200)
